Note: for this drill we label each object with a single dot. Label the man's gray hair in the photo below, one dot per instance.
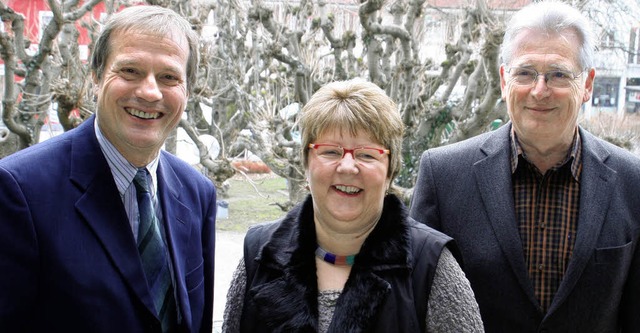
(553, 18)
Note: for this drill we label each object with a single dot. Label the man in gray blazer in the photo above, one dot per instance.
(547, 216)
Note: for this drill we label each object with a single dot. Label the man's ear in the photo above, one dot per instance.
(96, 83)
(588, 85)
(503, 82)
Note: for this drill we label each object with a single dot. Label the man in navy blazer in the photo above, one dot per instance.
(68, 208)
(546, 215)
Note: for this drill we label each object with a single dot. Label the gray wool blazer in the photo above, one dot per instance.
(465, 190)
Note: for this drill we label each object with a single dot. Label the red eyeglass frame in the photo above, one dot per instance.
(345, 151)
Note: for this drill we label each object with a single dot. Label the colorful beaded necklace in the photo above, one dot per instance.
(335, 259)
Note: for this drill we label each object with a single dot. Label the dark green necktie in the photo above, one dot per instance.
(153, 254)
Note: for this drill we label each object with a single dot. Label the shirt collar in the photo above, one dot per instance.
(122, 170)
(574, 156)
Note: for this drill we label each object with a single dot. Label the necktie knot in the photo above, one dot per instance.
(140, 181)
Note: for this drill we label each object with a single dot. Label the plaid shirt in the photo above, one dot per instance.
(547, 212)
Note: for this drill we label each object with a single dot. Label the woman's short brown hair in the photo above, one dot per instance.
(354, 106)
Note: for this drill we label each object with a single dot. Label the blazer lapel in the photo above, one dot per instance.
(103, 211)
(493, 175)
(596, 185)
(175, 216)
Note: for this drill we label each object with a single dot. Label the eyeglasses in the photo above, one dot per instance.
(332, 153)
(555, 79)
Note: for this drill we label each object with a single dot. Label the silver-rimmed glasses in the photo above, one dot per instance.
(332, 153)
(528, 76)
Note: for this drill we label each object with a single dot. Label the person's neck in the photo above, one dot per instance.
(140, 161)
(137, 156)
(545, 154)
(341, 243)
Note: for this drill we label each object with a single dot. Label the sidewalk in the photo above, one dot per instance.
(228, 253)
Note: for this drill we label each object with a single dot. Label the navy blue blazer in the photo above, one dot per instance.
(465, 191)
(68, 259)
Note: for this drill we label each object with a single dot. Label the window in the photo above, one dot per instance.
(608, 40)
(605, 92)
(634, 46)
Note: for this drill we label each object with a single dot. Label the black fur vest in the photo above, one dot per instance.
(396, 262)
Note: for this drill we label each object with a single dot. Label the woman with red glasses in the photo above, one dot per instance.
(348, 258)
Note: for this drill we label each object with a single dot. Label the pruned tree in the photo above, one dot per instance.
(261, 62)
(297, 47)
(24, 105)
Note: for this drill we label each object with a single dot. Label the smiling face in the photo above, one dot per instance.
(540, 113)
(347, 195)
(142, 93)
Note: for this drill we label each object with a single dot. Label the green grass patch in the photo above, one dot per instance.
(253, 201)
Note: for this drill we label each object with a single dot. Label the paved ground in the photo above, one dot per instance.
(228, 253)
